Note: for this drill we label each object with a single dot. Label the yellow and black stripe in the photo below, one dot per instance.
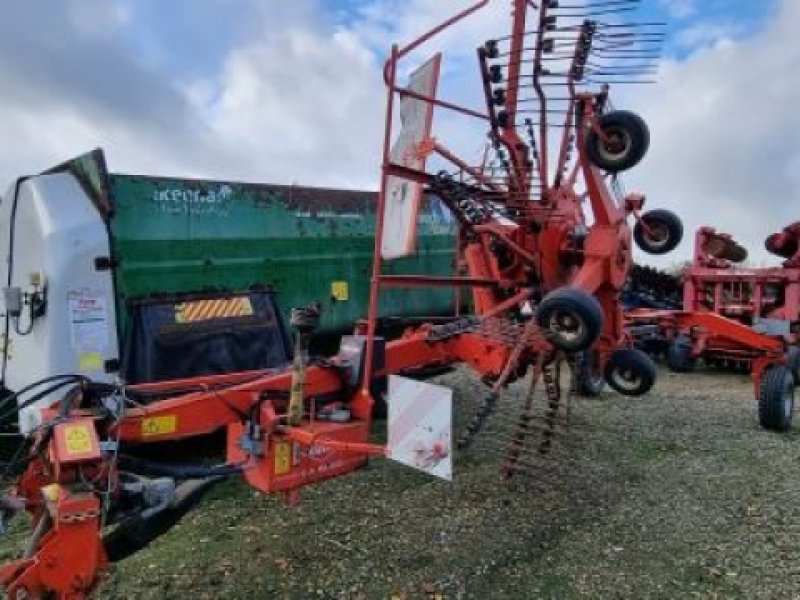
(206, 310)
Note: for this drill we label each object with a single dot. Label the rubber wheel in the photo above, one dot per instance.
(589, 382)
(776, 399)
(630, 372)
(679, 355)
(736, 253)
(793, 363)
(572, 318)
(662, 234)
(627, 140)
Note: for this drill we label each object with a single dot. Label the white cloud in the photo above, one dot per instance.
(679, 9)
(301, 99)
(705, 34)
(297, 106)
(97, 17)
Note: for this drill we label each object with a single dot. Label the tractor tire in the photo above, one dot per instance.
(589, 383)
(572, 319)
(630, 372)
(627, 140)
(793, 362)
(776, 399)
(679, 355)
(664, 235)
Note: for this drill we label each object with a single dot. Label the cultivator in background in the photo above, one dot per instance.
(767, 299)
(648, 287)
(735, 317)
(545, 283)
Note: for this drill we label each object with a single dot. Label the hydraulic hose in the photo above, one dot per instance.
(156, 469)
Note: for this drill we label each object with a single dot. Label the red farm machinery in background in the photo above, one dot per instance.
(544, 248)
(737, 317)
(767, 299)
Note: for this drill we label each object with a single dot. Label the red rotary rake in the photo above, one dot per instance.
(546, 248)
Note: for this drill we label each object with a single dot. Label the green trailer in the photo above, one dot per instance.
(309, 244)
(133, 273)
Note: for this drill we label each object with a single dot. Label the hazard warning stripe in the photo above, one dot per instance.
(205, 310)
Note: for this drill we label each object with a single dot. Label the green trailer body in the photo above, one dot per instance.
(172, 236)
(179, 235)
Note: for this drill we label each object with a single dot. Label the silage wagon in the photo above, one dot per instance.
(154, 278)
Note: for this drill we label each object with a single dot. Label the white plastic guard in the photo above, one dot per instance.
(420, 426)
(402, 197)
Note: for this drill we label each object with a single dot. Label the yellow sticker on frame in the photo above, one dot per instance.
(90, 361)
(340, 290)
(161, 425)
(283, 458)
(78, 439)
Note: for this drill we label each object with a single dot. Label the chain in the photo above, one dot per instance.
(553, 397)
(439, 333)
(477, 423)
(459, 198)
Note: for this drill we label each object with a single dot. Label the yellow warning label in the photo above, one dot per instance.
(90, 361)
(51, 492)
(159, 425)
(283, 458)
(205, 310)
(78, 439)
(340, 291)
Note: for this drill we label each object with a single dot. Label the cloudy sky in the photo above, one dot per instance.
(282, 92)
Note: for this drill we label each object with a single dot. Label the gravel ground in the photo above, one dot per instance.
(675, 495)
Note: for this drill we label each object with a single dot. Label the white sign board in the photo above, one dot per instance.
(420, 426)
(88, 319)
(402, 197)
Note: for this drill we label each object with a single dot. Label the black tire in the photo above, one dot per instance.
(627, 141)
(572, 318)
(630, 372)
(589, 381)
(776, 399)
(736, 253)
(679, 355)
(664, 235)
(793, 363)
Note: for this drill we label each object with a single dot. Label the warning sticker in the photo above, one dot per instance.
(90, 361)
(88, 319)
(340, 291)
(220, 308)
(420, 426)
(162, 425)
(78, 439)
(283, 456)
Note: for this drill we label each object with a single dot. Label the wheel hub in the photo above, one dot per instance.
(616, 144)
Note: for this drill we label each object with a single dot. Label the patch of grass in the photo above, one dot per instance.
(675, 495)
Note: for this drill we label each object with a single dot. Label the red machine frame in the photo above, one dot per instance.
(724, 308)
(714, 283)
